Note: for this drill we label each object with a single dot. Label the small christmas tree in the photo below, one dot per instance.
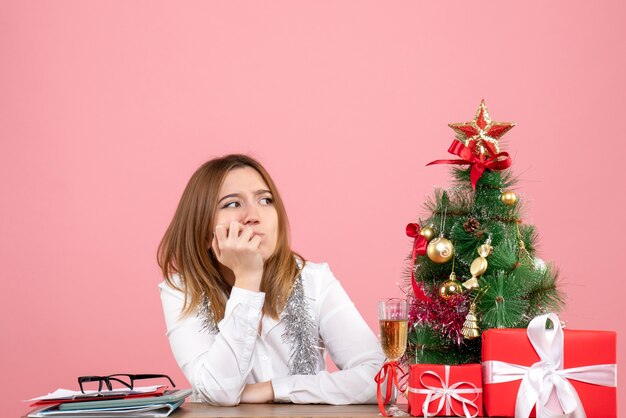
(473, 265)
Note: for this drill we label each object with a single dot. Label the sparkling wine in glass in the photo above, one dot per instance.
(393, 315)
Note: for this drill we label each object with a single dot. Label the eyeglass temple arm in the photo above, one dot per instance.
(152, 376)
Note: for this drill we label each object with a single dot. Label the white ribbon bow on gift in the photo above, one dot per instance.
(547, 375)
(445, 394)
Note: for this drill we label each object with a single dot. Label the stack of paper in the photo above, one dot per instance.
(152, 401)
(67, 395)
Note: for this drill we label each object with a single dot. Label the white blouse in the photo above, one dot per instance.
(218, 366)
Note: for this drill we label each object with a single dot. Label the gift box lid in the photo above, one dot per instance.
(580, 347)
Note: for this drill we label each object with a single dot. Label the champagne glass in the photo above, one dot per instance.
(393, 317)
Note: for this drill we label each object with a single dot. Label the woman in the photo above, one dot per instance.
(247, 318)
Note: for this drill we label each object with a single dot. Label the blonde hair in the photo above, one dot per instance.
(186, 246)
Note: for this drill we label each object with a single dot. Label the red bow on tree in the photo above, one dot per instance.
(419, 248)
(479, 163)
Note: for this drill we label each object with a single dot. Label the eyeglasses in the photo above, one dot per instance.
(127, 380)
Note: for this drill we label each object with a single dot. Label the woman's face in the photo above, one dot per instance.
(245, 198)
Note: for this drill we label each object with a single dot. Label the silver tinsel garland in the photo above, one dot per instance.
(300, 330)
(205, 313)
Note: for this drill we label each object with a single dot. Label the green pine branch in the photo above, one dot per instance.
(427, 346)
(503, 304)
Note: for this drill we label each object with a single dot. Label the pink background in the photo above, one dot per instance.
(107, 108)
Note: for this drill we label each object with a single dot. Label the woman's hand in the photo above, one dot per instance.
(238, 250)
(258, 393)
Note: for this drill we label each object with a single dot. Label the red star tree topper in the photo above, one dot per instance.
(481, 135)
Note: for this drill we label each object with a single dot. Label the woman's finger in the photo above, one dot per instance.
(216, 247)
(233, 230)
(246, 234)
(220, 234)
(255, 242)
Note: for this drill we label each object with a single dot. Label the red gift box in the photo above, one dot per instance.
(565, 355)
(446, 390)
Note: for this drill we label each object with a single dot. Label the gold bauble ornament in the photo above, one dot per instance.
(428, 233)
(508, 198)
(440, 250)
(450, 287)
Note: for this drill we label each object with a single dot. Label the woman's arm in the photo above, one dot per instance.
(352, 346)
(216, 365)
(258, 393)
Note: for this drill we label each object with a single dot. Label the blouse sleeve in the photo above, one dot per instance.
(216, 365)
(352, 346)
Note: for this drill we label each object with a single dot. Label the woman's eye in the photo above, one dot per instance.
(231, 205)
(266, 201)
